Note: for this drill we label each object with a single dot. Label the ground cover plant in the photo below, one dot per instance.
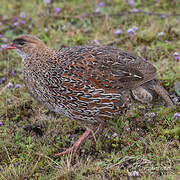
(142, 144)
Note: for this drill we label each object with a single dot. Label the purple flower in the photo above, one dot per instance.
(58, 10)
(21, 22)
(150, 120)
(100, 4)
(19, 72)
(0, 23)
(2, 80)
(1, 35)
(5, 40)
(163, 16)
(130, 31)
(114, 135)
(17, 86)
(12, 72)
(135, 173)
(131, 2)
(149, 163)
(146, 115)
(177, 58)
(118, 32)
(175, 54)
(135, 28)
(176, 115)
(3, 46)
(15, 24)
(95, 42)
(152, 115)
(9, 85)
(46, 29)
(175, 99)
(22, 15)
(135, 10)
(156, 0)
(97, 10)
(47, 1)
(161, 34)
(1, 123)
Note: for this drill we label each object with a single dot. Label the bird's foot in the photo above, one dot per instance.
(76, 145)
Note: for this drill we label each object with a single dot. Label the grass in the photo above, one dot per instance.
(145, 147)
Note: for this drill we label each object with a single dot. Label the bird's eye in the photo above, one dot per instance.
(19, 41)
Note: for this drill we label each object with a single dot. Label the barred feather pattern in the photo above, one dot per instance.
(86, 83)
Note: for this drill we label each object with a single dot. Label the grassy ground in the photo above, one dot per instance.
(146, 146)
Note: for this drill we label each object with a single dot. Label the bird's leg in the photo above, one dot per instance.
(76, 145)
(98, 130)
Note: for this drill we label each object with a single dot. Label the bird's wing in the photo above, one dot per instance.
(107, 68)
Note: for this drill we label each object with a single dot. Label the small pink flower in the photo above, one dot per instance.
(100, 4)
(135, 173)
(9, 85)
(58, 10)
(176, 115)
(2, 80)
(97, 10)
(131, 2)
(175, 99)
(17, 86)
(118, 32)
(161, 34)
(175, 54)
(22, 15)
(177, 58)
(15, 24)
(47, 1)
(135, 28)
(163, 16)
(131, 31)
(152, 115)
(4, 46)
(21, 22)
(95, 42)
(135, 10)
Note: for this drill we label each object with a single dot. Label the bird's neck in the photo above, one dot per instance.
(36, 53)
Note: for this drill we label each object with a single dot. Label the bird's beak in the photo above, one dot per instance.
(11, 46)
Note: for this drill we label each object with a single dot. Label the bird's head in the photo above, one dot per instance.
(26, 45)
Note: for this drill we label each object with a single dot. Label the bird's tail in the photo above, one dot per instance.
(163, 93)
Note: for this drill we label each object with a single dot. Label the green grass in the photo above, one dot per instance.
(30, 135)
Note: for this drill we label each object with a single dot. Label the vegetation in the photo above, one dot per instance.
(143, 143)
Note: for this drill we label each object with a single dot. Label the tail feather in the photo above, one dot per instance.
(164, 94)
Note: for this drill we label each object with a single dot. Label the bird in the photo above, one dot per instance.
(89, 84)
